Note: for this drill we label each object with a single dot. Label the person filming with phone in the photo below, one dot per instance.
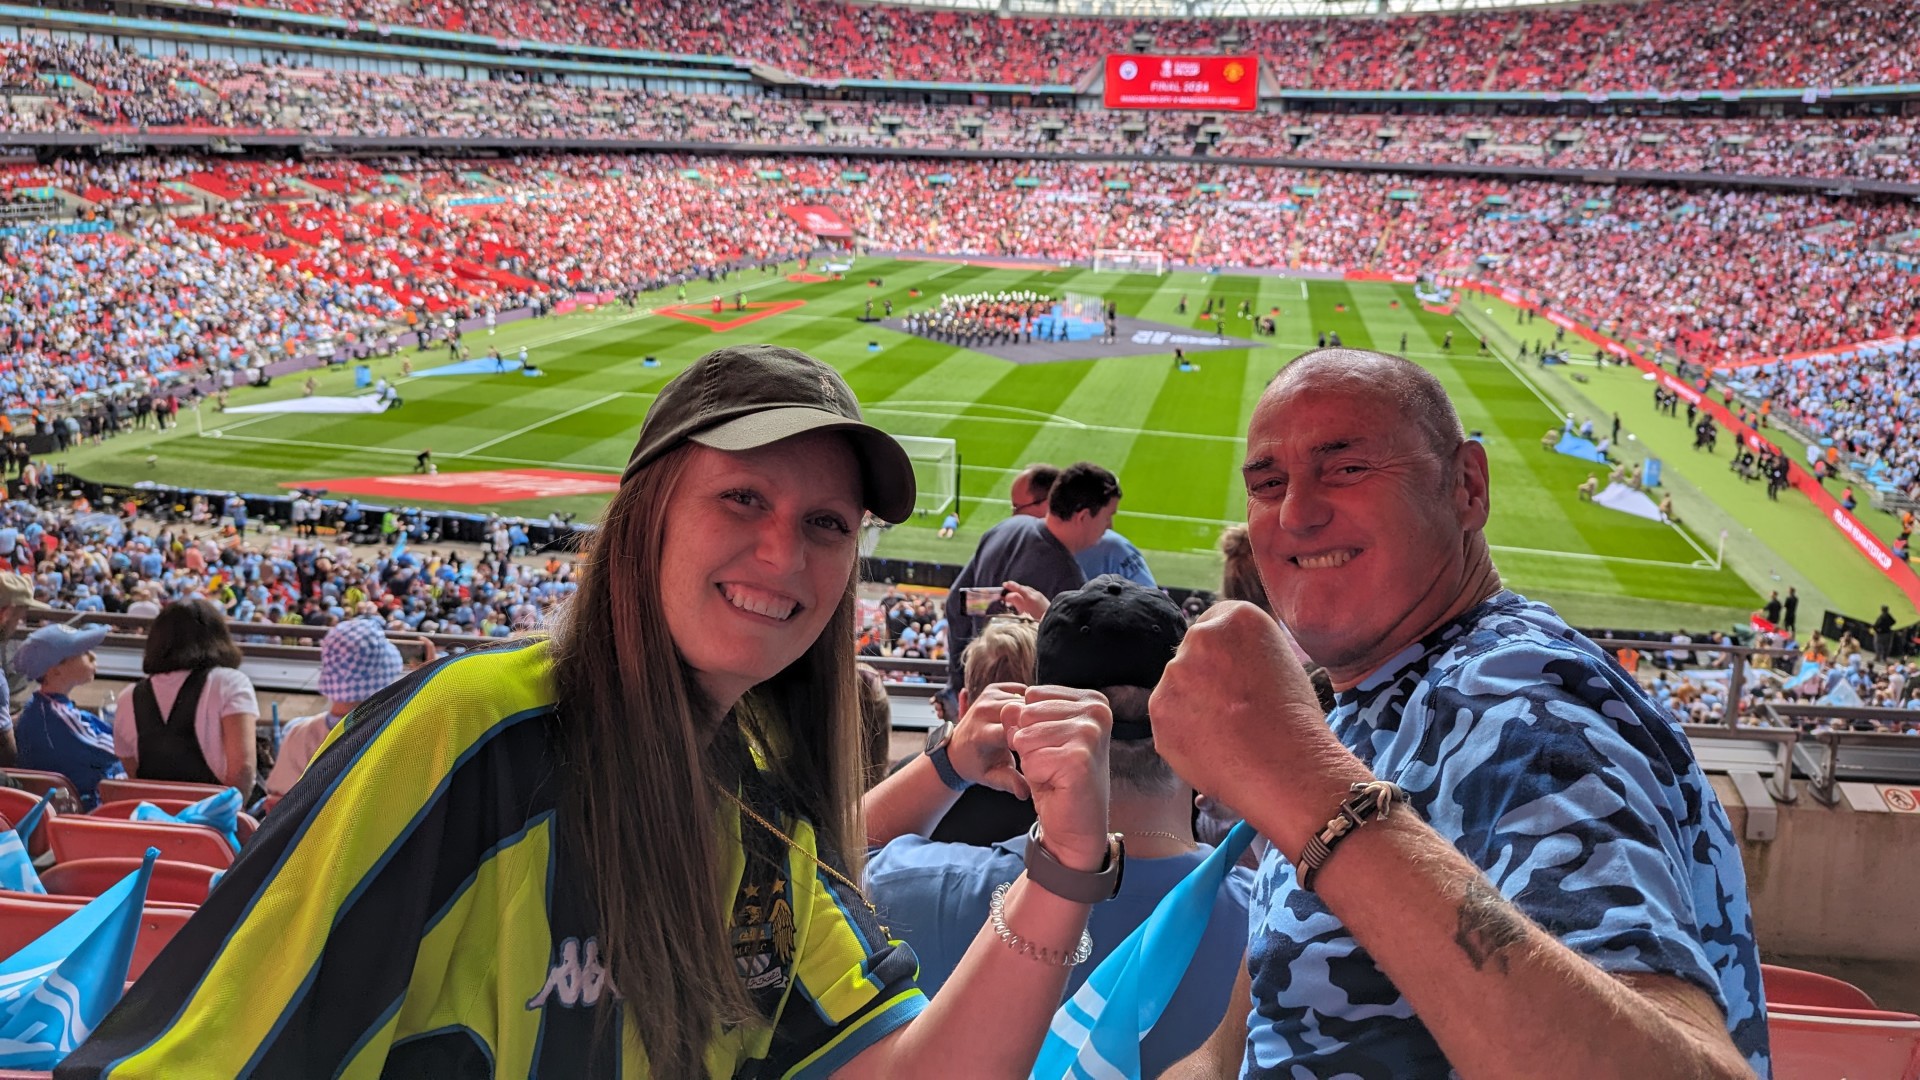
(1035, 548)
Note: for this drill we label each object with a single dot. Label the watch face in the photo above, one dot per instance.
(937, 734)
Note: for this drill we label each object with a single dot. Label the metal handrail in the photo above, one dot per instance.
(1736, 666)
(1824, 782)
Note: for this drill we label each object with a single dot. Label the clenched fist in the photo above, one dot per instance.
(1061, 736)
(978, 748)
(1236, 717)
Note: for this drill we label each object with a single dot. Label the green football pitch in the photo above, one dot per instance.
(1174, 439)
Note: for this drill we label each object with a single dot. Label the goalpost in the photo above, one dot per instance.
(1124, 261)
(936, 473)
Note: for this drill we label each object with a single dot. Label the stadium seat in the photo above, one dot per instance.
(155, 790)
(39, 782)
(91, 838)
(24, 918)
(243, 824)
(1793, 987)
(15, 805)
(172, 882)
(1813, 1043)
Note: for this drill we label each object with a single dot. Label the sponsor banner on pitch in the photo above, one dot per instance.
(469, 488)
(1141, 81)
(818, 220)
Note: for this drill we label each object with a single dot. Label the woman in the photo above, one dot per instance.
(630, 850)
(194, 716)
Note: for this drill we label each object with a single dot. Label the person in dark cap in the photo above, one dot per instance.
(1113, 636)
(53, 733)
(631, 849)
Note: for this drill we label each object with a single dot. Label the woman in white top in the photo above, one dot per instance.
(193, 717)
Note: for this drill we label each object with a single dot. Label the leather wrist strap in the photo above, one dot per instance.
(1079, 886)
(1364, 803)
(943, 764)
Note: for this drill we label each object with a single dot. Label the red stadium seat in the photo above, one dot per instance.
(92, 838)
(1812, 1043)
(15, 805)
(243, 824)
(1793, 987)
(25, 917)
(39, 782)
(172, 882)
(154, 790)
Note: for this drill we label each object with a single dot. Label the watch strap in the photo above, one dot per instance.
(943, 764)
(1079, 886)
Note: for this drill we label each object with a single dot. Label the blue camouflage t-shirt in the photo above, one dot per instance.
(1547, 765)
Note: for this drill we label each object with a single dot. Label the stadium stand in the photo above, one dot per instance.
(1665, 44)
(281, 100)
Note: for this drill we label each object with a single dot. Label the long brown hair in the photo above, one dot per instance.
(646, 768)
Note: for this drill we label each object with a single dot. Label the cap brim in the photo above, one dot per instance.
(885, 469)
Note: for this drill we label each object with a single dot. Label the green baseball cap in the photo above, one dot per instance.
(748, 396)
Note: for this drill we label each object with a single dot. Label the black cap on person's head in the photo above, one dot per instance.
(747, 396)
(1110, 632)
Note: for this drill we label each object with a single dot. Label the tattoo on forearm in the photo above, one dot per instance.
(1488, 926)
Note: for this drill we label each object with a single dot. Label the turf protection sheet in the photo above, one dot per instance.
(363, 403)
(485, 365)
(469, 488)
(1628, 501)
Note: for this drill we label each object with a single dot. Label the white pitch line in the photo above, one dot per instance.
(594, 404)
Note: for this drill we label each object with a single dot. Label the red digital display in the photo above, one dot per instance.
(1137, 81)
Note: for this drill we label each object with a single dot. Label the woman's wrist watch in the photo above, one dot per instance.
(1079, 886)
(939, 738)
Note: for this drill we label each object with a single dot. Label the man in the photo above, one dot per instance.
(1882, 633)
(1116, 637)
(356, 662)
(1790, 612)
(1543, 874)
(1037, 552)
(1774, 607)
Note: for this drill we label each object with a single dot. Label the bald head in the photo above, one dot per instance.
(1415, 393)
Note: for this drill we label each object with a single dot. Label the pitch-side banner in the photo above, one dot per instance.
(1136, 81)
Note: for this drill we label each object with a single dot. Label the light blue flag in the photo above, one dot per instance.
(16, 866)
(1097, 1032)
(217, 812)
(1808, 669)
(54, 991)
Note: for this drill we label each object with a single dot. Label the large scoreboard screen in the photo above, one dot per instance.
(1136, 81)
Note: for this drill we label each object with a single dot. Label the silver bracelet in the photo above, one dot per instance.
(997, 915)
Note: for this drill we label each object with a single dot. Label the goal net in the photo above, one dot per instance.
(936, 473)
(1121, 261)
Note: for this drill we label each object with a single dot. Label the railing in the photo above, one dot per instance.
(1738, 656)
(1878, 755)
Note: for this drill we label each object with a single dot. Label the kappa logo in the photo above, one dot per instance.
(574, 980)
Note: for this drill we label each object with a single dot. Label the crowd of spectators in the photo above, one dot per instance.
(82, 558)
(1865, 405)
(165, 95)
(1693, 685)
(1660, 45)
(297, 258)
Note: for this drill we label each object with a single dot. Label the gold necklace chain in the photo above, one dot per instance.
(1188, 840)
(790, 842)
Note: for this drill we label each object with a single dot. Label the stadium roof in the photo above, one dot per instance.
(1226, 9)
